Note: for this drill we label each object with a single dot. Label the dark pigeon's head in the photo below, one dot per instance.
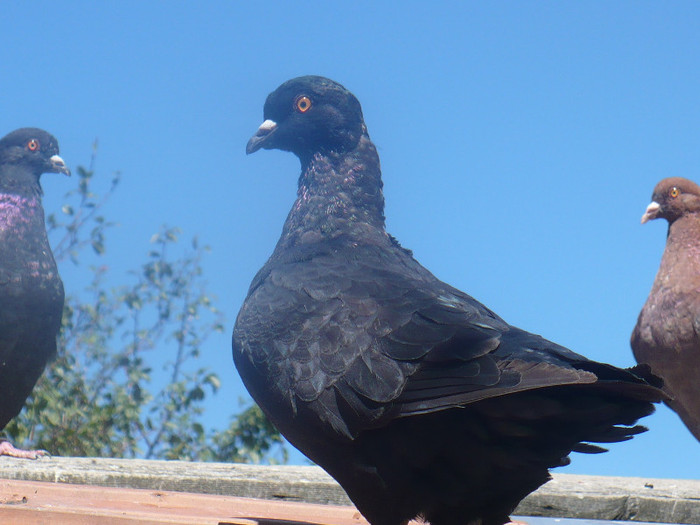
(34, 149)
(673, 198)
(307, 115)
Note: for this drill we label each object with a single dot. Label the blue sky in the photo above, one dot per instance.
(520, 143)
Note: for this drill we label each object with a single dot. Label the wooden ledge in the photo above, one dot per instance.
(40, 503)
(566, 496)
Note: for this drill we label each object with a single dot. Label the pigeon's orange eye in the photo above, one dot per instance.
(303, 104)
(33, 145)
(675, 192)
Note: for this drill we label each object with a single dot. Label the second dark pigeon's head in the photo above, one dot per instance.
(34, 149)
(672, 198)
(307, 115)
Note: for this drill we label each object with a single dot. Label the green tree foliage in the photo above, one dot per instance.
(97, 398)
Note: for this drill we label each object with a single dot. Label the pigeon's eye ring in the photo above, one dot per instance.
(674, 192)
(33, 145)
(303, 104)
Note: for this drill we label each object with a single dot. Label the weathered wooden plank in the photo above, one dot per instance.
(291, 483)
(32, 502)
(616, 498)
(567, 496)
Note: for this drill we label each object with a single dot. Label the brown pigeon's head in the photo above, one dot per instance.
(673, 198)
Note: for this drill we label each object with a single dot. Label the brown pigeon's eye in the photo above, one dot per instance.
(675, 192)
(303, 104)
(33, 145)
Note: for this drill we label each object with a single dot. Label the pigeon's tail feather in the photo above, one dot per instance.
(506, 444)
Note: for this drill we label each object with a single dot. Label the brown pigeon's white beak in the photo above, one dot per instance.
(651, 212)
(58, 165)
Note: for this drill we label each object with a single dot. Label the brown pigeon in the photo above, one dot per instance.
(415, 397)
(666, 336)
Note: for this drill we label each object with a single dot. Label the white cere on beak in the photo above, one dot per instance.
(651, 211)
(57, 161)
(268, 125)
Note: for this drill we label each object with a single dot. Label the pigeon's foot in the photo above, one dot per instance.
(8, 449)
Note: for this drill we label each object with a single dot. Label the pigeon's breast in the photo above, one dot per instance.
(27, 267)
(18, 212)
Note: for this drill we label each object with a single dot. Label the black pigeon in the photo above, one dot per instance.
(666, 336)
(416, 398)
(31, 291)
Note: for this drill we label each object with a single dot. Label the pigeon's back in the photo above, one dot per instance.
(413, 395)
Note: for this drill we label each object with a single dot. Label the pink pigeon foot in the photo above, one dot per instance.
(8, 449)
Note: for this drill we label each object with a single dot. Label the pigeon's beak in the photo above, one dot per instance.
(652, 212)
(58, 166)
(257, 141)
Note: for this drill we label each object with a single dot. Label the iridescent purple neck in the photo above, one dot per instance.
(18, 210)
(339, 194)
